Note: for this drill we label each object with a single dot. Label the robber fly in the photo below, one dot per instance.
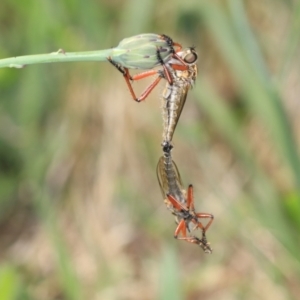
(174, 95)
(181, 203)
(180, 73)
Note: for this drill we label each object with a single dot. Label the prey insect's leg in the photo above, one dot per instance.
(192, 239)
(198, 224)
(204, 216)
(181, 228)
(195, 216)
(190, 206)
(179, 206)
(190, 198)
(203, 243)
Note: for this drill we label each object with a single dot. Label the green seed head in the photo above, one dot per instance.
(140, 51)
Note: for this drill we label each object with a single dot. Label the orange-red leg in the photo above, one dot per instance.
(172, 45)
(173, 66)
(201, 243)
(139, 76)
(179, 206)
(179, 47)
(181, 228)
(179, 67)
(205, 216)
(149, 89)
(191, 207)
(170, 42)
(190, 198)
(145, 74)
(192, 239)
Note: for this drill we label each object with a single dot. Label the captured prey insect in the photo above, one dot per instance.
(181, 203)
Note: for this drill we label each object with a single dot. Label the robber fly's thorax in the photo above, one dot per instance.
(186, 77)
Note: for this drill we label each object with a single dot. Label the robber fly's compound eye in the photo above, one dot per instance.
(191, 57)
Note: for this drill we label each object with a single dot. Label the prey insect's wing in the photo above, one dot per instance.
(163, 177)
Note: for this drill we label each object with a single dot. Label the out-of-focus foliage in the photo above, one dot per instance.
(81, 215)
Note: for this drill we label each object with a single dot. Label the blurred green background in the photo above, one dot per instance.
(81, 214)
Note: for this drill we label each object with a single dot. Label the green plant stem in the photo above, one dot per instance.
(59, 56)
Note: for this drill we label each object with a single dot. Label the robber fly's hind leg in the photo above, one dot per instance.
(126, 75)
(128, 78)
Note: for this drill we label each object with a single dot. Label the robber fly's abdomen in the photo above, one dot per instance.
(171, 97)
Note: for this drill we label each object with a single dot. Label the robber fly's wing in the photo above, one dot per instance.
(181, 103)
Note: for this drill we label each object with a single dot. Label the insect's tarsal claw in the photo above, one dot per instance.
(204, 244)
(208, 250)
(161, 74)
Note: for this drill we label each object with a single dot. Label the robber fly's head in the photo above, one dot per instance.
(189, 56)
